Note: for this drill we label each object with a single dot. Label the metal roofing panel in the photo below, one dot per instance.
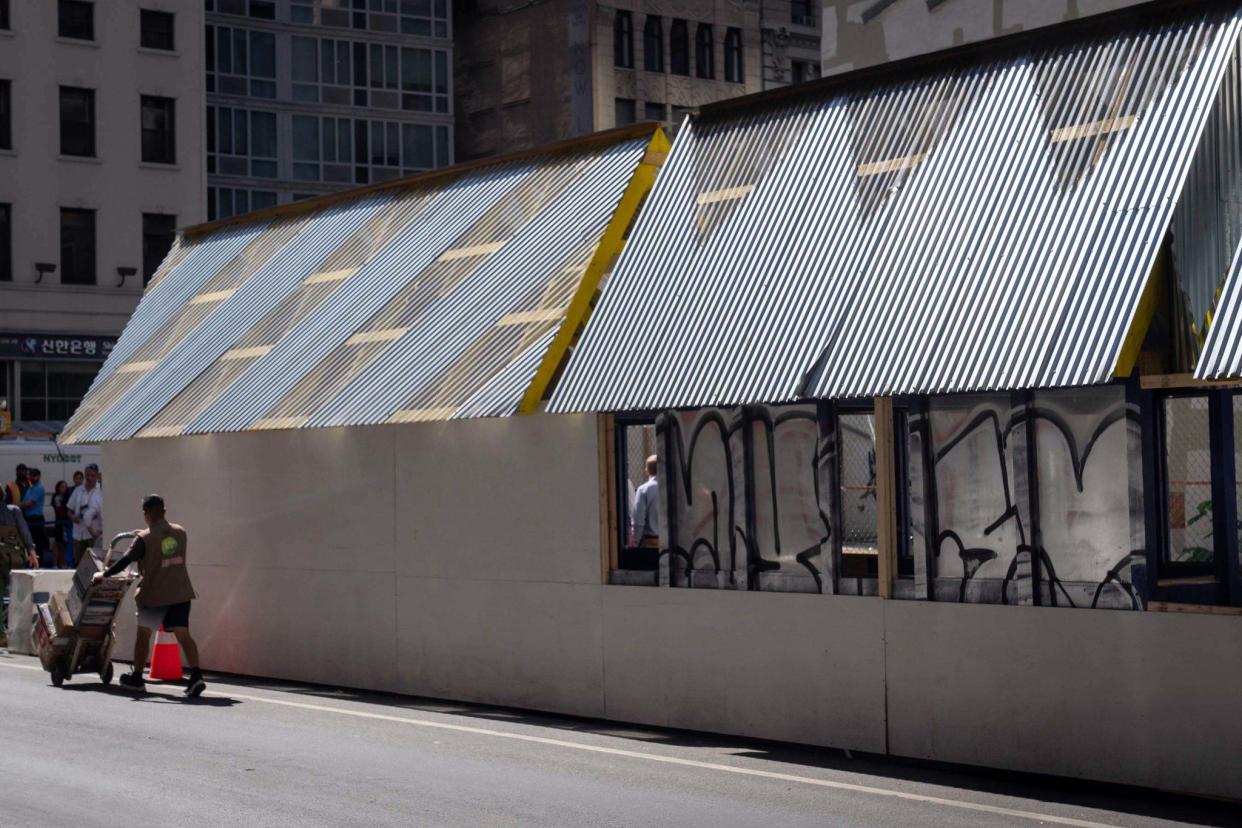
(259, 286)
(1222, 352)
(986, 227)
(451, 332)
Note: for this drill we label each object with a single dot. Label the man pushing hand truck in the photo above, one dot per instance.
(164, 593)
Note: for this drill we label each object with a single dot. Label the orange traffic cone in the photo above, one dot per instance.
(166, 657)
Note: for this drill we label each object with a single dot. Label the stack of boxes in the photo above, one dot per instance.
(83, 614)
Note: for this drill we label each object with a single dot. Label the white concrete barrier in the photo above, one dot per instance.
(28, 587)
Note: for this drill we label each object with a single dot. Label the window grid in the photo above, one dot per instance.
(734, 67)
(704, 57)
(349, 73)
(653, 44)
(241, 62)
(360, 151)
(679, 48)
(241, 142)
(623, 40)
(226, 202)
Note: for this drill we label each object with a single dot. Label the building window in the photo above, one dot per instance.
(734, 69)
(803, 70)
(424, 80)
(679, 113)
(4, 15)
(653, 111)
(424, 17)
(6, 242)
(653, 44)
(636, 442)
(302, 11)
(262, 9)
(623, 111)
(226, 202)
(77, 247)
(358, 74)
(158, 231)
(802, 12)
(241, 62)
(77, 121)
(356, 151)
(241, 142)
(159, 130)
(75, 19)
(704, 59)
(156, 30)
(6, 114)
(679, 48)
(623, 40)
(53, 390)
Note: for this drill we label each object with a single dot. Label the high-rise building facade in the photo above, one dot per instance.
(861, 33)
(101, 159)
(309, 96)
(791, 32)
(544, 71)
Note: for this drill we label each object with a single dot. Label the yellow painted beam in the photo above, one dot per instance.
(470, 252)
(1102, 127)
(1146, 311)
(386, 335)
(214, 296)
(527, 317)
(330, 276)
(890, 165)
(727, 194)
(606, 253)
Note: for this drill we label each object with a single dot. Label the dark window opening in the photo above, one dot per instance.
(159, 128)
(802, 12)
(77, 247)
(734, 68)
(679, 48)
(624, 111)
(158, 232)
(75, 19)
(704, 57)
(4, 15)
(6, 114)
(653, 111)
(653, 44)
(156, 30)
(635, 443)
(623, 40)
(6, 243)
(77, 121)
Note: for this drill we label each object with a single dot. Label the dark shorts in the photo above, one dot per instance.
(177, 615)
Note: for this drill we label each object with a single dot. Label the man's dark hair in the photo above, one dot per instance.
(21, 467)
(34, 472)
(153, 503)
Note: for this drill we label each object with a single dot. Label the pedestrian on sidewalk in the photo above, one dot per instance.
(163, 595)
(62, 530)
(86, 512)
(17, 549)
(34, 501)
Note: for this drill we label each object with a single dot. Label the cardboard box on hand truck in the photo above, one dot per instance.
(50, 644)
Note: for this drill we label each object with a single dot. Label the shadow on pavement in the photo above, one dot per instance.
(1121, 799)
(175, 697)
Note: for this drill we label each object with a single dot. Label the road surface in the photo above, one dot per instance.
(270, 753)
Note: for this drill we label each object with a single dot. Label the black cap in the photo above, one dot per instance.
(153, 503)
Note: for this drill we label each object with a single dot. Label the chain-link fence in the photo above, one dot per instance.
(1188, 472)
(858, 517)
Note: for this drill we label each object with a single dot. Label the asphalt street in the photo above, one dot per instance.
(268, 753)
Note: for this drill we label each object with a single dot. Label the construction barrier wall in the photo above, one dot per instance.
(462, 560)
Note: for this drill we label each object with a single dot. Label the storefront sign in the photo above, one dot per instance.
(55, 346)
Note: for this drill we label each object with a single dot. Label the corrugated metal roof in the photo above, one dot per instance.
(1222, 352)
(446, 289)
(984, 227)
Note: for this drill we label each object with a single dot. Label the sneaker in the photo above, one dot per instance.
(133, 682)
(196, 686)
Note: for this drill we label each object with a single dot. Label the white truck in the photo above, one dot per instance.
(55, 461)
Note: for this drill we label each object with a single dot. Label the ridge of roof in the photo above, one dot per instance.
(603, 138)
(969, 54)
